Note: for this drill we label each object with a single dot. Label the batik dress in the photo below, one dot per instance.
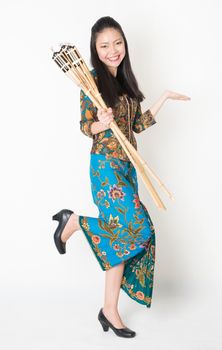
(123, 230)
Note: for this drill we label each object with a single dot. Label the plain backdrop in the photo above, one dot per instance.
(51, 301)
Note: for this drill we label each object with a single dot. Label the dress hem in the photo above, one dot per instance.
(106, 266)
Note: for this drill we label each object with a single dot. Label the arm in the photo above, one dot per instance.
(97, 127)
(167, 95)
(87, 114)
(143, 120)
(88, 124)
(158, 104)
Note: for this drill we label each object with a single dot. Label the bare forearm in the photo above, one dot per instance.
(97, 127)
(158, 104)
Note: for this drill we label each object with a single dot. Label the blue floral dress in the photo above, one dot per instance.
(123, 231)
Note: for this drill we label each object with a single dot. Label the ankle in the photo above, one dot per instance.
(110, 309)
(76, 221)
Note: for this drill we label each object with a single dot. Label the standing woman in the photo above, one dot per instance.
(122, 238)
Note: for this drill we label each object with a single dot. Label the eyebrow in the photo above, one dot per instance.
(106, 42)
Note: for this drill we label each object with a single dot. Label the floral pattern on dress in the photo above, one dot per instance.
(106, 142)
(124, 231)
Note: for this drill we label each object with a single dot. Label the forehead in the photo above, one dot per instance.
(108, 35)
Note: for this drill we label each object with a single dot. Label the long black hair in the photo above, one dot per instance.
(109, 86)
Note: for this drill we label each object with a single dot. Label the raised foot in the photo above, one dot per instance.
(71, 227)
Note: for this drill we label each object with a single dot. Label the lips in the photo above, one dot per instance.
(114, 59)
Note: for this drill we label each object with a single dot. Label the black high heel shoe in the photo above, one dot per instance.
(62, 216)
(121, 332)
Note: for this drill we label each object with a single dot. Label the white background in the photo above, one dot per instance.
(51, 301)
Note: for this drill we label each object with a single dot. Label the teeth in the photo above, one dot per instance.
(114, 59)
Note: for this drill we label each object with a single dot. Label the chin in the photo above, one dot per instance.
(114, 65)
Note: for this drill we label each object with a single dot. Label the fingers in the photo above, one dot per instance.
(105, 116)
(102, 111)
(183, 97)
(176, 96)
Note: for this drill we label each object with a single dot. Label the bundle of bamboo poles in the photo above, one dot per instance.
(72, 64)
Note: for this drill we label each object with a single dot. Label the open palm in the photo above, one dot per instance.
(176, 96)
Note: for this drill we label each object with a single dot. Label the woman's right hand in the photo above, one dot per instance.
(105, 116)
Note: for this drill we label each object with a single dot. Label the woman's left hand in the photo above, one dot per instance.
(175, 96)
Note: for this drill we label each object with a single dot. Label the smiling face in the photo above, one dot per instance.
(110, 48)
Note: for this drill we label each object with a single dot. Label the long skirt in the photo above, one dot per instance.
(123, 231)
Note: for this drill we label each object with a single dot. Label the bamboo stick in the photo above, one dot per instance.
(73, 65)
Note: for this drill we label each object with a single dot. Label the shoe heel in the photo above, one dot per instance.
(104, 325)
(56, 216)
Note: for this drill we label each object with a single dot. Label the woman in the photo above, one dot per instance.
(122, 237)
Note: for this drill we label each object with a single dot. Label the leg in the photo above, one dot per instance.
(112, 289)
(113, 278)
(122, 226)
(71, 226)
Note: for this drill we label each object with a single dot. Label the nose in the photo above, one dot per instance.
(113, 50)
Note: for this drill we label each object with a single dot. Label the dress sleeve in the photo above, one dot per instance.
(142, 120)
(88, 114)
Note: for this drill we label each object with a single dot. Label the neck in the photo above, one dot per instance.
(113, 71)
